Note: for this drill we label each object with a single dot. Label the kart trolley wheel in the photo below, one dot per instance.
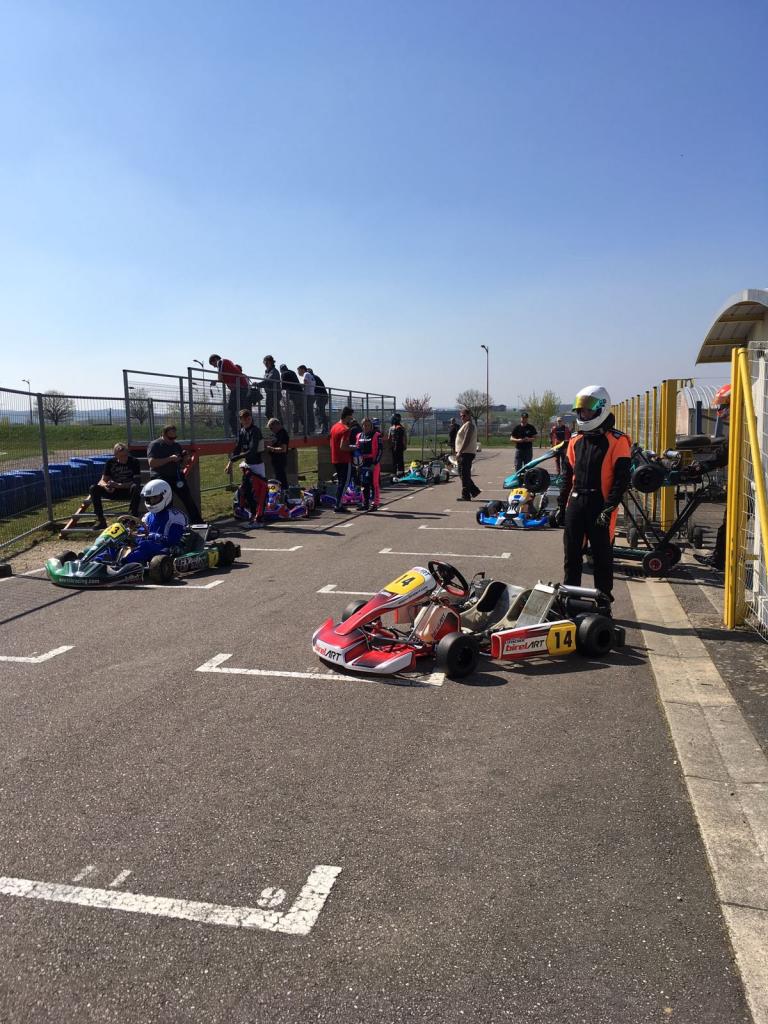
(161, 569)
(658, 562)
(456, 655)
(352, 608)
(594, 635)
(536, 480)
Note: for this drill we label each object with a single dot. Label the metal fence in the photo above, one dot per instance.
(204, 409)
(53, 447)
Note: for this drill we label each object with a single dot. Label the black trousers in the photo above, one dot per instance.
(397, 460)
(523, 454)
(343, 476)
(185, 497)
(279, 466)
(469, 488)
(580, 515)
(131, 494)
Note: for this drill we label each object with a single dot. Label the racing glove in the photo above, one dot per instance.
(604, 519)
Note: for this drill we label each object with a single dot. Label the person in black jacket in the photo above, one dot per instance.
(120, 481)
(253, 490)
(321, 401)
(294, 396)
(523, 434)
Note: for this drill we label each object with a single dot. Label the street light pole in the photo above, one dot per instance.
(29, 391)
(487, 392)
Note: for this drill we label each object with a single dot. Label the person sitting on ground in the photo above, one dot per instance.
(277, 446)
(120, 481)
(522, 435)
(250, 446)
(167, 460)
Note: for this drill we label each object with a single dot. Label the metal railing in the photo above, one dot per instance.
(204, 409)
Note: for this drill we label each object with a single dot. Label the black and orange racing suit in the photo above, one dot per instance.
(595, 476)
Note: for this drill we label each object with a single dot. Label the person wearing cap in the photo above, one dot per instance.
(272, 385)
(595, 477)
(167, 461)
(522, 435)
(120, 481)
(232, 377)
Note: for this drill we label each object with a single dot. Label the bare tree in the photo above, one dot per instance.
(541, 408)
(477, 402)
(138, 405)
(419, 409)
(57, 408)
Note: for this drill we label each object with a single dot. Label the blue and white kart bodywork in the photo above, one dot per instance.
(516, 514)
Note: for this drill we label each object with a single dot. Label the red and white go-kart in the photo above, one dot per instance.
(435, 613)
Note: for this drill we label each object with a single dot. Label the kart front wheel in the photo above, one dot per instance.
(536, 480)
(227, 552)
(352, 608)
(594, 635)
(456, 655)
(67, 556)
(161, 569)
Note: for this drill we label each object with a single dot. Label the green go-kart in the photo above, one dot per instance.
(104, 563)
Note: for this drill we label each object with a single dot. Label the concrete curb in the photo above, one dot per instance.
(726, 774)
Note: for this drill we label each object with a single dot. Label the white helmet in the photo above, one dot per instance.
(157, 495)
(592, 406)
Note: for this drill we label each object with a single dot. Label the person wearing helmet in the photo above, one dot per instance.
(163, 525)
(595, 477)
(398, 439)
(721, 402)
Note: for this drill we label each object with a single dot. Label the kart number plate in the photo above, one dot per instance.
(406, 583)
(116, 530)
(562, 639)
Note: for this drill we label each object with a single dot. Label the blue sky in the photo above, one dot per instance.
(377, 189)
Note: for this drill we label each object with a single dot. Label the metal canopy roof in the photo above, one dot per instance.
(732, 325)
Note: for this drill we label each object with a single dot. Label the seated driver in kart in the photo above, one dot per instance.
(162, 527)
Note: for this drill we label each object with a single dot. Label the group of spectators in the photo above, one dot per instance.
(299, 396)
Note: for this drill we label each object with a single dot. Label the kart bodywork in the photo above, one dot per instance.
(434, 471)
(532, 477)
(431, 619)
(282, 503)
(515, 515)
(103, 565)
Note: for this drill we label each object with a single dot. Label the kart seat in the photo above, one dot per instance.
(495, 604)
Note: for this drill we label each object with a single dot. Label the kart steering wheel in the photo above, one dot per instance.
(129, 521)
(449, 578)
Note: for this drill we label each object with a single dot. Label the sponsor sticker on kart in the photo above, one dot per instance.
(327, 652)
(517, 646)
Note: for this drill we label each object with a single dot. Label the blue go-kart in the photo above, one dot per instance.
(523, 511)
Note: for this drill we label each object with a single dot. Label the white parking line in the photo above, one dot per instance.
(444, 554)
(330, 588)
(296, 547)
(89, 869)
(213, 665)
(37, 659)
(444, 528)
(118, 881)
(186, 586)
(299, 919)
(346, 526)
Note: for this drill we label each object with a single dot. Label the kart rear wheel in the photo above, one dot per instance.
(648, 478)
(227, 552)
(67, 556)
(161, 569)
(456, 655)
(536, 480)
(594, 635)
(351, 609)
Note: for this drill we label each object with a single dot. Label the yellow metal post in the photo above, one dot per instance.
(733, 612)
(666, 441)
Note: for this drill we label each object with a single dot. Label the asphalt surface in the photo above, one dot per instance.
(518, 848)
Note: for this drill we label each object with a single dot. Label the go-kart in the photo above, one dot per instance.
(282, 503)
(523, 511)
(433, 471)
(532, 476)
(103, 565)
(435, 614)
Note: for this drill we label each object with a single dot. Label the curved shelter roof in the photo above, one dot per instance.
(733, 325)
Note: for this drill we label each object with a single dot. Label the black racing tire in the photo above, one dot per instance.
(657, 563)
(161, 569)
(493, 508)
(648, 478)
(594, 635)
(352, 607)
(227, 552)
(633, 537)
(456, 655)
(536, 480)
(67, 556)
(697, 536)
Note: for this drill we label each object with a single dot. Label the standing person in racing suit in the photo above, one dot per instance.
(595, 476)
(253, 491)
(163, 525)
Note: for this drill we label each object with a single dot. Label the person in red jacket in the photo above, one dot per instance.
(231, 376)
(595, 477)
